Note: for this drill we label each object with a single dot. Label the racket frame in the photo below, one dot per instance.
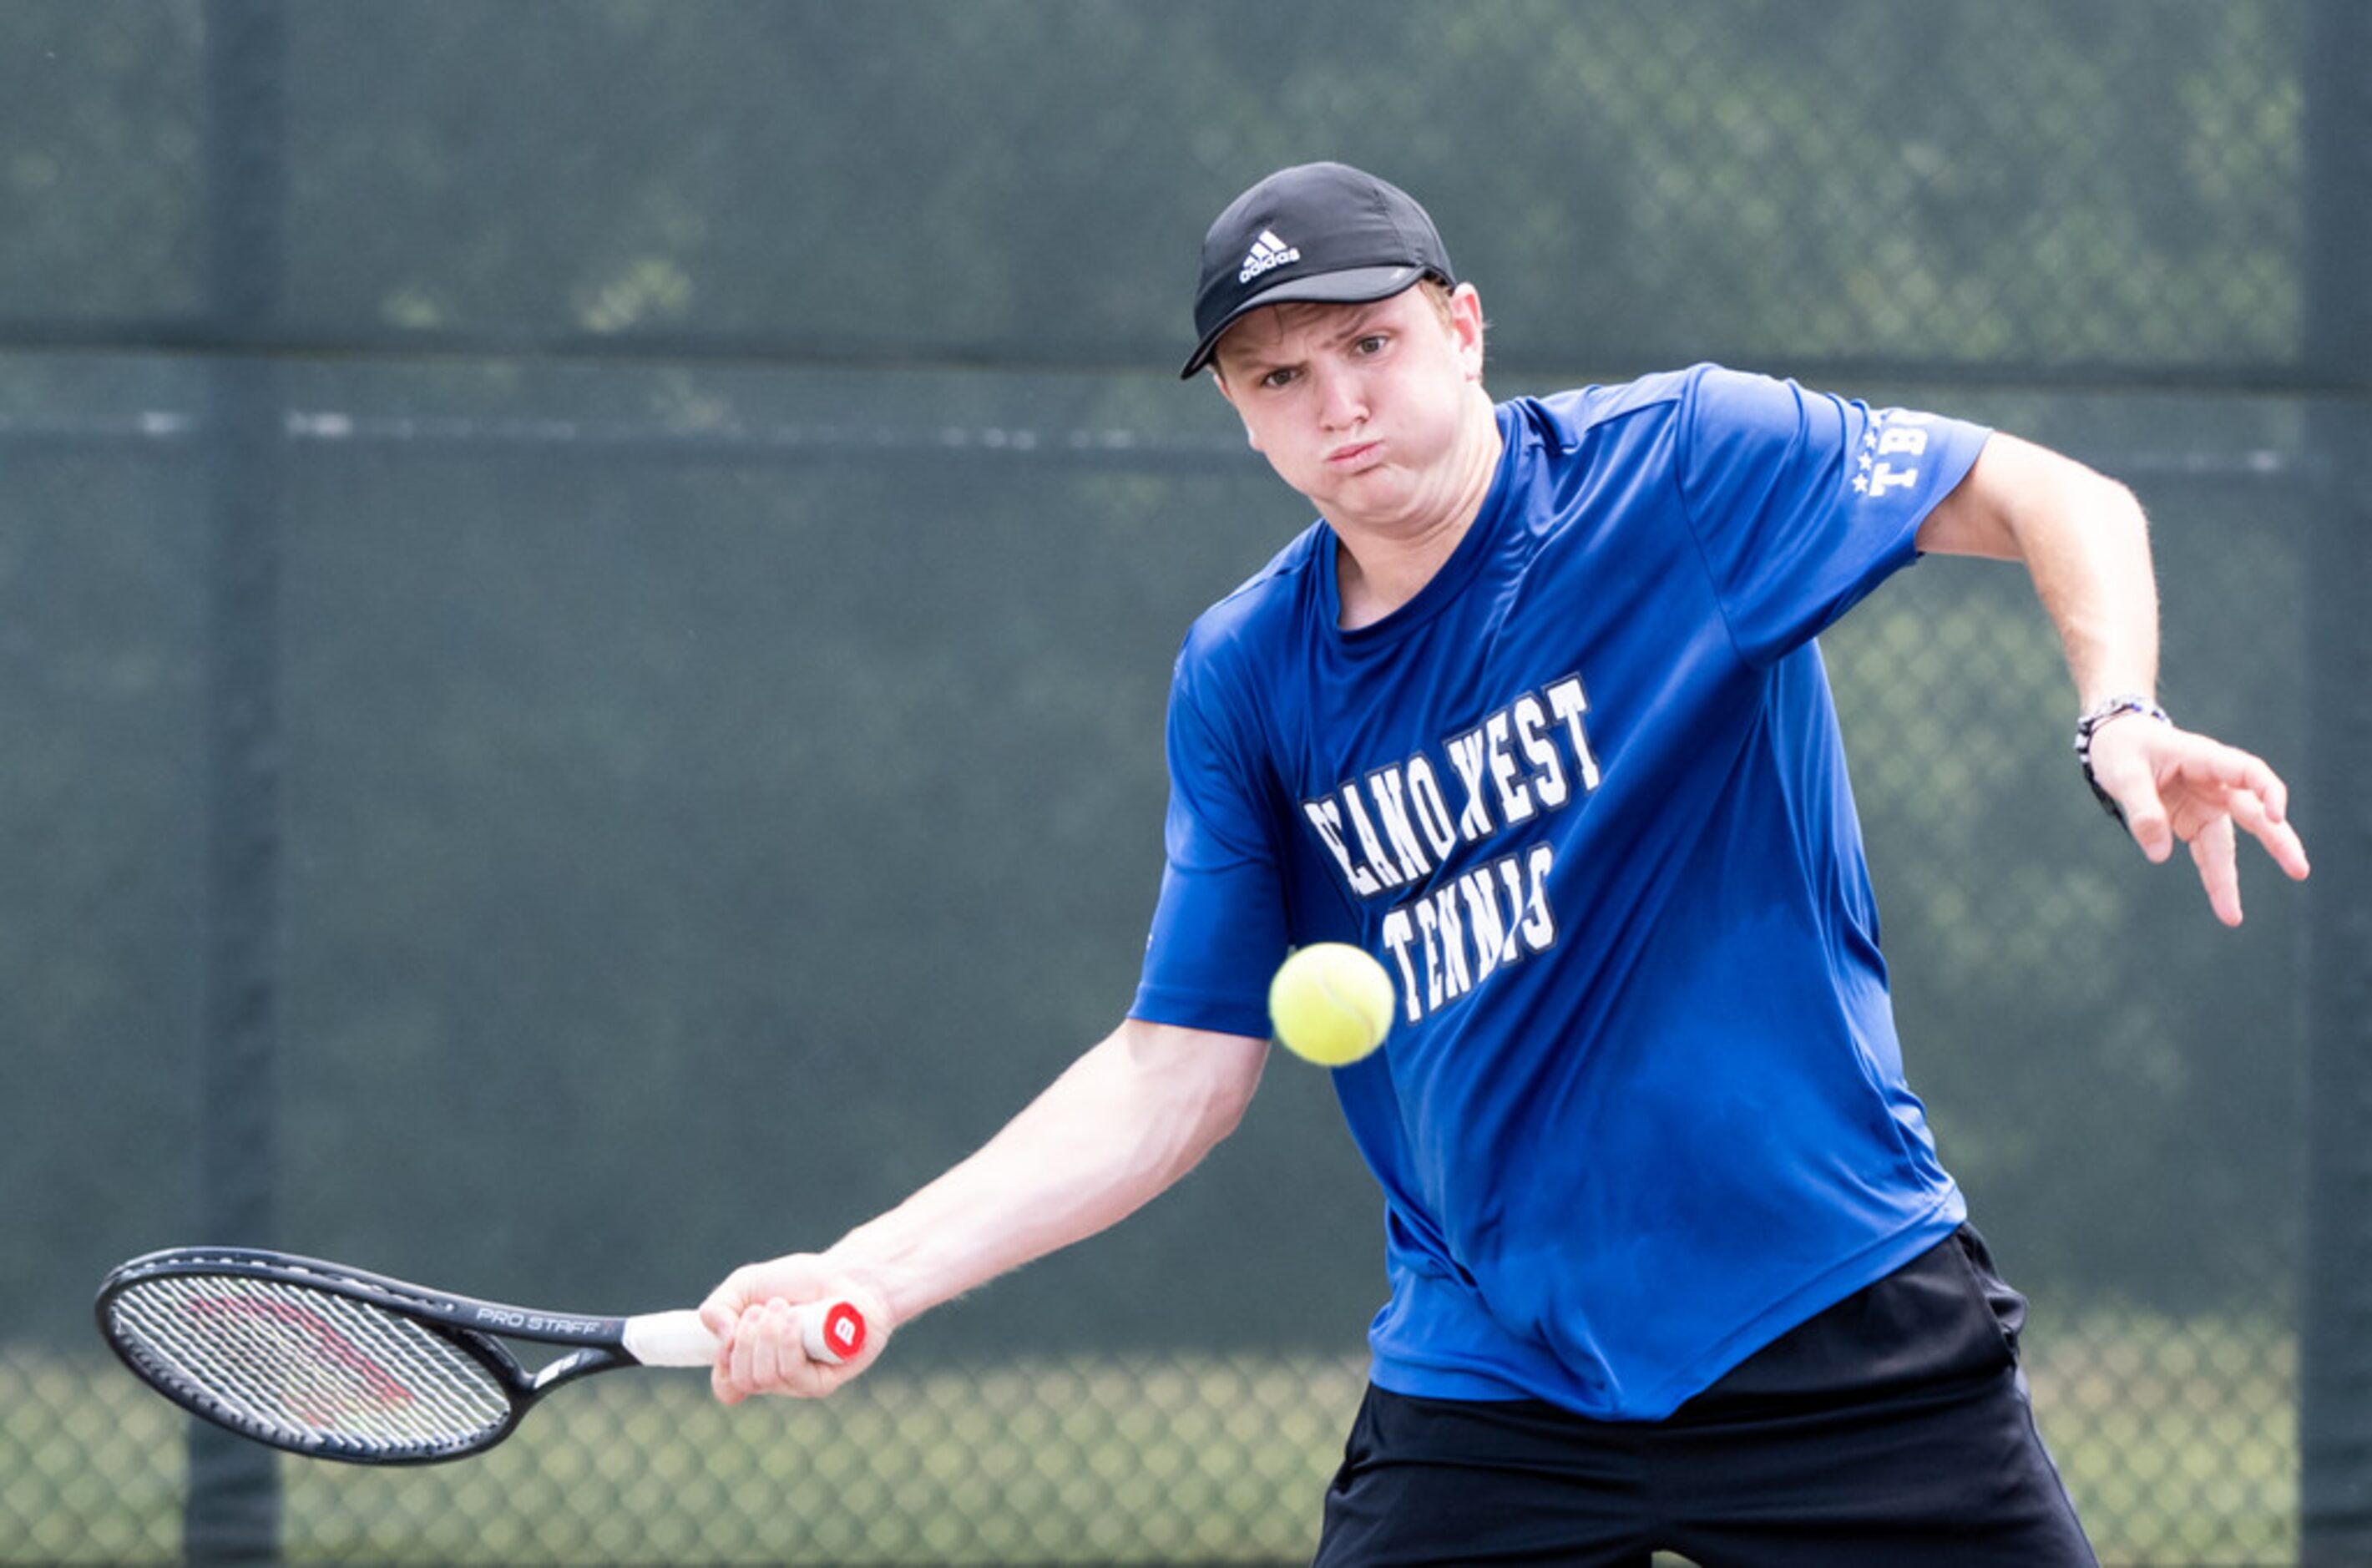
(474, 1327)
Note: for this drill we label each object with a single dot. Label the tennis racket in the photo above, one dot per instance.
(331, 1362)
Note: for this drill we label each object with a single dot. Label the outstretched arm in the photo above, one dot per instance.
(2085, 543)
(1118, 1128)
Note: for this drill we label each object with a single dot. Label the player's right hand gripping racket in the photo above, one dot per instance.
(336, 1364)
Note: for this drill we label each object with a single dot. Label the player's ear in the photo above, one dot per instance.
(1466, 325)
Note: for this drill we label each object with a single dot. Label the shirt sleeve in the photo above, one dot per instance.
(1803, 502)
(1219, 929)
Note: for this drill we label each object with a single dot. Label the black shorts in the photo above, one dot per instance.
(1893, 1429)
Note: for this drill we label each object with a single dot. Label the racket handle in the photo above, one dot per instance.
(670, 1339)
(831, 1331)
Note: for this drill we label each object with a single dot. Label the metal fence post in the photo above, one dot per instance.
(2336, 1361)
(233, 1510)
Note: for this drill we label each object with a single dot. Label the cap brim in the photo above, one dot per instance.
(1352, 286)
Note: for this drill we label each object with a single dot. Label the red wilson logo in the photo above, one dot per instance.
(844, 1328)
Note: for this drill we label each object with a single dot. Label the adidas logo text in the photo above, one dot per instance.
(1268, 252)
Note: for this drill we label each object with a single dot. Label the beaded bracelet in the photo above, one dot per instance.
(2114, 708)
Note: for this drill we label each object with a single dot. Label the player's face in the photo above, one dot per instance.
(1368, 409)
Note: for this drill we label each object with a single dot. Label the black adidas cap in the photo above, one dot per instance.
(1321, 232)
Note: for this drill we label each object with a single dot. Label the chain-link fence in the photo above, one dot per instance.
(586, 593)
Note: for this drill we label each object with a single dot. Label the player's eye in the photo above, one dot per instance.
(1370, 344)
(1279, 378)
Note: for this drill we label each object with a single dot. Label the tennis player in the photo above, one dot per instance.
(1534, 714)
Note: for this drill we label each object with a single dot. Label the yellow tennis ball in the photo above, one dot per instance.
(1331, 1003)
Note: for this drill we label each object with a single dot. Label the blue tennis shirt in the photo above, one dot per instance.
(1643, 1106)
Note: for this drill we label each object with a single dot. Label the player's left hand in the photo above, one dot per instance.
(2175, 784)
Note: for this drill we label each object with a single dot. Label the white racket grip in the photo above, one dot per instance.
(670, 1339)
(830, 1331)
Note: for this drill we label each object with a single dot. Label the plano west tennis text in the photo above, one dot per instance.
(1388, 831)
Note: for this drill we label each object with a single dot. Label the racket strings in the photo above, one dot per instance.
(307, 1368)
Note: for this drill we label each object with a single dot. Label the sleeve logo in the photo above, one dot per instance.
(1891, 451)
